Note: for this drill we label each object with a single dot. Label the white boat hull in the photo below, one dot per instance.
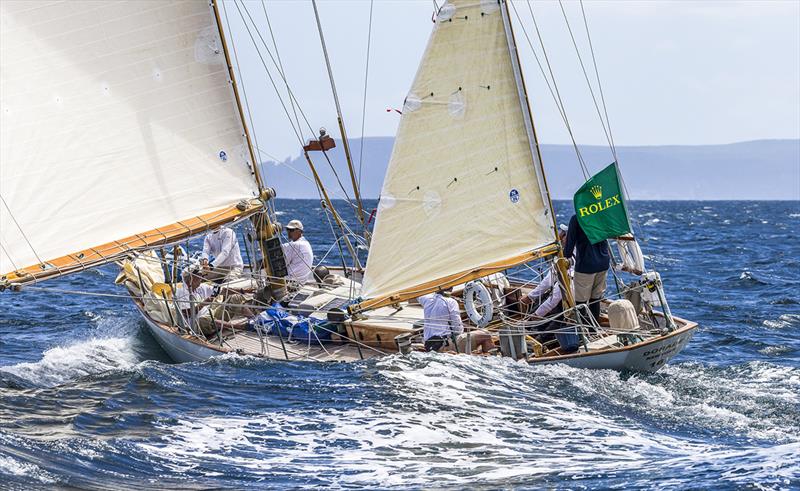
(647, 356)
(177, 347)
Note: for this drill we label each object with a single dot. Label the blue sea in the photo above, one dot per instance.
(89, 400)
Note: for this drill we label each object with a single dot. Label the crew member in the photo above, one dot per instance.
(195, 295)
(442, 322)
(552, 305)
(591, 266)
(209, 307)
(298, 254)
(223, 246)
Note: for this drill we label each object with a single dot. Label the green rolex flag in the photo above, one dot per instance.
(600, 207)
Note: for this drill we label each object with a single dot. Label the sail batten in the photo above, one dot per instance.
(116, 118)
(463, 191)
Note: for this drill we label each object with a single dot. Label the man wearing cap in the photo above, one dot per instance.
(194, 297)
(207, 307)
(223, 246)
(298, 254)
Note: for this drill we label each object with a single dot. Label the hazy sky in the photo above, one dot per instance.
(673, 72)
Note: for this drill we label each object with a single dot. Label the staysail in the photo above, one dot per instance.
(463, 189)
(119, 129)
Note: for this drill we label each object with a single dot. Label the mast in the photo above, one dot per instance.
(561, 262)
(342, 130)
(527, 114)
(266, 232)
(256, 170)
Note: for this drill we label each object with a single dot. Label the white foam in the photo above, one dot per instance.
(13, 467)
(481, 414)
(471, 421)
(113, 349)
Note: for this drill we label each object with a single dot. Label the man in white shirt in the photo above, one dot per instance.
(298, 254)
(202, 305)
(223, 246)
(194, 298)
(443, 321)
(550, 283)
(552, 307)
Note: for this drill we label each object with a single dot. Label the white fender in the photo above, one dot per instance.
(631, 254)
(475, 290)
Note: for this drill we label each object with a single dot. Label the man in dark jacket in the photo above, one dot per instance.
(591, 266)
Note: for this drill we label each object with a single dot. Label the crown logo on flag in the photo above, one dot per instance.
(597, 191)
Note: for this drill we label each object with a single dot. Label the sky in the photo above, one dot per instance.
(672, 72)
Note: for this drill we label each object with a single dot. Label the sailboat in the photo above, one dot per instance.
(123, 137)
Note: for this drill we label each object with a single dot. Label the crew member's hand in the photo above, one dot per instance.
(204, 262)
(526, 300)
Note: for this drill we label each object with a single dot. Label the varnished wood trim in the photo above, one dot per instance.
(111, 251)
(454, 279)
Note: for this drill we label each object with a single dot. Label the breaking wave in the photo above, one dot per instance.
(113, 347)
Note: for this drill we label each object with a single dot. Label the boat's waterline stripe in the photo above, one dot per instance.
(111, 251)
(455, 279)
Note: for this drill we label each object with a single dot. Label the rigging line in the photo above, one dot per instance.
(586, 77)
(24, 236)
(280, 64)
(555, 86)
(608, 121)
(305, 176)
(561, 110)
(275, 63)
(364, 100)
(336, 175)
(597, 76)
(269, 75)
(242, 84)
(342, 129)
(8, 256)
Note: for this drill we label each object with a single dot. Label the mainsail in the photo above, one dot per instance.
(119, 129)
(463, 189)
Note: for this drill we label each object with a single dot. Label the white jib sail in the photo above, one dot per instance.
(116, 117)
(461, 190)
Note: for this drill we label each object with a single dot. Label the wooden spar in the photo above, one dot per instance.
(329, 204)
(455, 279)
(534, 141)
(264, 227)
(345, 142)
(528, 115)
(111, 251)
(253, 160)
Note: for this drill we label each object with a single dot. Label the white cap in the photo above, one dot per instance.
(295, 224)
(563, 227)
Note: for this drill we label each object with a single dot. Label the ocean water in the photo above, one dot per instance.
(89, 400)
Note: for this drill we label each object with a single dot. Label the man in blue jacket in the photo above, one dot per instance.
(591, 266)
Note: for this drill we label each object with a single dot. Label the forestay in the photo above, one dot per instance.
(118, 119)
(461, 190)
